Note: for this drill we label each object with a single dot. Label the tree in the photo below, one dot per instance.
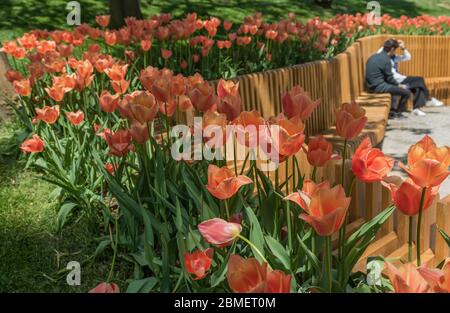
(120, 9)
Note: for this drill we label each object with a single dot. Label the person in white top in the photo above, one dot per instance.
(415, 83)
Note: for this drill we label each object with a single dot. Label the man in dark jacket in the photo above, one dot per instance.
(379, 77)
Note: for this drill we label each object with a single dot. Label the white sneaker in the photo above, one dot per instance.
(418, 112)
(434, 103)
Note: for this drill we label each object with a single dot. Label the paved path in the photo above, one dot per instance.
(401, 134)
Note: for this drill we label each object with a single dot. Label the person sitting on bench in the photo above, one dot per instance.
(415, 83)
(379, 78)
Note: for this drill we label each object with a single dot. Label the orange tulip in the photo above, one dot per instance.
(75, 118)
(56, 92)
(426, 148)
(110, 38)
(161, 89)
(202, 96)
(438, 279)
(370, 164)
(350, 120)
(48, 114)
(139, 132)
(290, 136)
(214, 122)
(320, 151)
(140, 106)
(103, 20)
(219, 232)
(406, 279)
(108, 102)
(278, 282)
(246, 275)
(247, 128)
(198, 262)
(33, 145)
(427, 163)
(84, 69)
(326, 207)
(296, 102)
(222, 184)
(119, 143)
(117, 72)
(407, 197)
(120, 86)
(22, 87)
(249, 276)
(105, 288)
(427, 172)
(303, 198)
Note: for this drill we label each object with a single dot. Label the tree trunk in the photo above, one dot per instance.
(324, 3)
(120, 9)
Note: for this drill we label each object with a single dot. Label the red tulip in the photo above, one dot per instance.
(108, 102)
(219, 232)
(166, 54)
(198, 262)
(222, 183)
(139, 132)
(105, 288)
(296, 102)
(119, 142)
(75, 117)
(202, 96)
(320, 151)
(229, 99)
(33, 145)
(370, 164)
(406, 279)
(326, 207)
(407, 197)
(12, 76)
(350, 120)
(146, 44)
(103, 20)
(48, 114)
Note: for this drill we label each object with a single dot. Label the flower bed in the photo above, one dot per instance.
(220, 215)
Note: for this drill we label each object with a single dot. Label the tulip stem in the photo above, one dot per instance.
(289, 226)
(313, 175)
(227, 211)
(410, 241)
(254, 248)
(342, 230)
(419, 222)
(115, 249)
(327, 263)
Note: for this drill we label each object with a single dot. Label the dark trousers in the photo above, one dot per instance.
(419, 89)
(404, 95)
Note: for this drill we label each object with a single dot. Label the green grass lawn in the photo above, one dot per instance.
(31, 251)
(17, 16)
